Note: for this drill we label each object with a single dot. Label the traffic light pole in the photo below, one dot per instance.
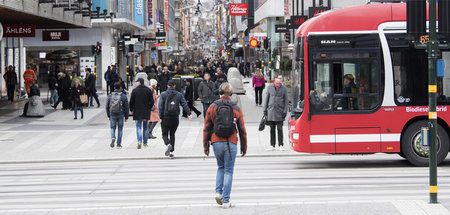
(433, 51)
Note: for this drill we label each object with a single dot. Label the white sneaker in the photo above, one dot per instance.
(227, 205)
(218, 198)
(270, 148)
(281, 148)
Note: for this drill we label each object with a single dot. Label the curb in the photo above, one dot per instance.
(148, 158)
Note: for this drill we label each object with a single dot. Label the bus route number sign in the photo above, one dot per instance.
(424, 39)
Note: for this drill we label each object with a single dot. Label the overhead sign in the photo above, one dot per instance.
(281, 28)
(238, 9)
(253, 43)
(55, 35)
(316, 10)
(296, 21)
(160, 35)
(19, 30)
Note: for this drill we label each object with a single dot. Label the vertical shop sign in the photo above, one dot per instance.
(286, 7)
(166, 14)
(139, 12)
(122, 8)
(150, 12)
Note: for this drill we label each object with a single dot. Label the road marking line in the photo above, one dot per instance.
(191, 137)
(29, 143)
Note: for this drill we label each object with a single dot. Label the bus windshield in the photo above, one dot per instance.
(297, 79)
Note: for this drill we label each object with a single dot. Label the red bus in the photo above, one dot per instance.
(359, 86)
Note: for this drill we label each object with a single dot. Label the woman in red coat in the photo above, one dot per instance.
(77, 90)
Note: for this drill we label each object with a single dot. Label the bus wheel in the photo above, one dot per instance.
(413, 150)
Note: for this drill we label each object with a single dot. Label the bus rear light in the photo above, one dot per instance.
(389, 148)
(295, 136)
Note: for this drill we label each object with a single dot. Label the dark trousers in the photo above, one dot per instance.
(191, 106)
(10, 91)
(107, 87)
(151, 126)
(169, 125)
(25, 109)
(205, 108)
(258, 95)
(93, 96)
(279, 126)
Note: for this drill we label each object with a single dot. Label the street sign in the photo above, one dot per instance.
(281, 28)
(150, 40)
(154, 54)
(213, 42)
(126, 37)
(253, 43)
(138, 47)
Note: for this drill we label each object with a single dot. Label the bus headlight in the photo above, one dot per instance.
(295, 136)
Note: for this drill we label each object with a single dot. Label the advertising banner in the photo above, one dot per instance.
(238, 9)
(139, 12)
(150, 12)
(296, 21)
(316, 10)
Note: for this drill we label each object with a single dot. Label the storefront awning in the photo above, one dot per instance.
(118, 23)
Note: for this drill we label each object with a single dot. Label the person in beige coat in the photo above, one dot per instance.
(154, 114)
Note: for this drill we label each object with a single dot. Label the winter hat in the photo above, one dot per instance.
(153, 82)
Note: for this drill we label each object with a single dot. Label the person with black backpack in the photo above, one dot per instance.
(117, 110)
(169, 112)
(223, 119)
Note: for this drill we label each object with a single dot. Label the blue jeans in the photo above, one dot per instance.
(75, 109)
(116, 121)
(224, 177)
(205, 108)
(142, 124)
(53, 96)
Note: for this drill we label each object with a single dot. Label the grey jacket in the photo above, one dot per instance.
(276, 103)
(206, 92)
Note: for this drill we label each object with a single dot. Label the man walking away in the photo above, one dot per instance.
(222, 118)
(141, 103)
(206, 92)
(117, 109)
(169, 112)
(275, 109)
(90, 87)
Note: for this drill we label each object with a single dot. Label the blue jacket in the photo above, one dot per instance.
(125, 108)
(162, 102)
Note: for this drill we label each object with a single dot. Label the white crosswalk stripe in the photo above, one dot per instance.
(172, 183)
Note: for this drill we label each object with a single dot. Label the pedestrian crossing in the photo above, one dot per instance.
(190, 183)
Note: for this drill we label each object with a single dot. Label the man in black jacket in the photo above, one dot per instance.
(141, 103)
(164, 79)
(90, 87)
(52, 87)
(170, 121)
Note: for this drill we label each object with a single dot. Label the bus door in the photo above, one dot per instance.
(345, 92)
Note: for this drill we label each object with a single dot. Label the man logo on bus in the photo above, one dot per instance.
(328, 42)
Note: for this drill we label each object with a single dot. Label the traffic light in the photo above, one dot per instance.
(98, 48)
(266, 43)
(131, 48)
(416, 17)
(287, 37)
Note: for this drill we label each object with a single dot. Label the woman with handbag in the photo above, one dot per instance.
(258, 82)
(78, 94)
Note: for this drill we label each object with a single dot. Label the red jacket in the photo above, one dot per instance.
(209, 137)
